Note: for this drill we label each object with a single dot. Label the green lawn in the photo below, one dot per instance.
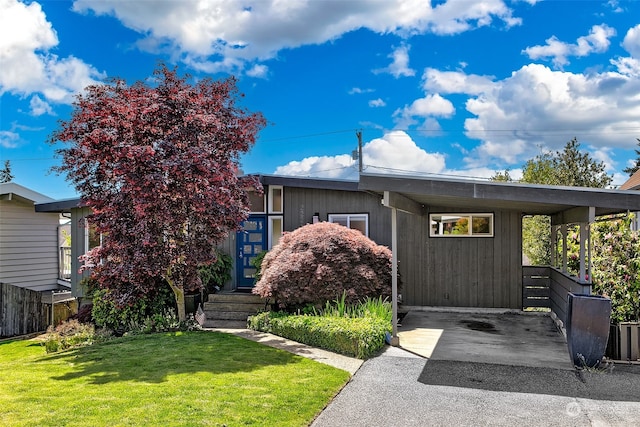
(171, 379)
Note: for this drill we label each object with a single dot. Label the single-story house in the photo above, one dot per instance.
(29, 242)
(457, 242)
(32, 262)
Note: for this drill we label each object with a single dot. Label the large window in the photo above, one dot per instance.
(461, 225)
(358, 222)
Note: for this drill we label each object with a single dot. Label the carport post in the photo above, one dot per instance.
(395, 341)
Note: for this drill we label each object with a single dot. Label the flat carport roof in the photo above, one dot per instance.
(530, 199)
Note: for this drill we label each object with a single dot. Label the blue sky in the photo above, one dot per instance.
(454, 88)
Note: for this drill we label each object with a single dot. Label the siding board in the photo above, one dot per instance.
(28, 246)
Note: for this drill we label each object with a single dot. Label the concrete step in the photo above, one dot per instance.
(226, 324)
(236, 297)
(233, 306)
(227, 315)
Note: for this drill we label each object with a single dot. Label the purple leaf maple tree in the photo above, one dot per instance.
(158, 166)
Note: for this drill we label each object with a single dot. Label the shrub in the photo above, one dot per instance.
(68, 334)
(360, 337)
(216, 274)
(84, 314)
(318, 262)
(109, 313)
(616, 267)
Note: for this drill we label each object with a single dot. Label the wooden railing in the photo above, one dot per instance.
(549, 287)
(64, 264)
(536, 283)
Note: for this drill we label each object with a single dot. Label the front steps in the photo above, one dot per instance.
(231, 310)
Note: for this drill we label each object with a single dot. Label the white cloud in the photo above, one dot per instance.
(395, 152)
(597, 41)
(539, 108)
(357, 91)
(437, 81)
(377, 103)
(8, 139)
(27, 66)
(40, 107)
(399, 66)
(341, 166)
(224, 34)
(631, 41)
(432, 105)
(258, 71)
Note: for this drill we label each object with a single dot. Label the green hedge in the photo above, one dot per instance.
(356, 337)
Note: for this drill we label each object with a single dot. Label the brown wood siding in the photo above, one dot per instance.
(457, 272)
(462, 272)
(300, 204)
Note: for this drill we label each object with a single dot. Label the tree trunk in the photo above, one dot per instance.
(178, 291)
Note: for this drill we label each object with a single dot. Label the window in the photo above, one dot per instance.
(275, 230)
(461, 225)
(256, 201)
(358, 222)
(275, 199)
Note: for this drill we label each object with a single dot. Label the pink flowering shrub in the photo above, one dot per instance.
(318, 262)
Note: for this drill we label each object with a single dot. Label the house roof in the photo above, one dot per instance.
(286, 181)
(59, 206)
(530, 199)
(633, 183)
(13, 191)
(305, 182)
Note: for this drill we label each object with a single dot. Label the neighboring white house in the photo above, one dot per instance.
(29, 242)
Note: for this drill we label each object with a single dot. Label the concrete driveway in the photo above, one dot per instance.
(489, 336)
(489, 368)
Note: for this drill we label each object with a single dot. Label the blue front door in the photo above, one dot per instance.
(250, 242)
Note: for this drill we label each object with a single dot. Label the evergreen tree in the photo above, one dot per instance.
(633, 169)
(5, 173)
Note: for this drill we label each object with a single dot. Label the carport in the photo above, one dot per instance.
(483, 269)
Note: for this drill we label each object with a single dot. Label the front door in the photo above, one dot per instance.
(250, 242)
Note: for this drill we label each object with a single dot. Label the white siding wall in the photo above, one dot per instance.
(28, 246)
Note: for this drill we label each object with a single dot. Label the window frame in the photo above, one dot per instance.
(270, 229)
(470, 216)
(271, 209)
(331, 218)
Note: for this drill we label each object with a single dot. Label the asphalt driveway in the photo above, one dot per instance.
(485, 381)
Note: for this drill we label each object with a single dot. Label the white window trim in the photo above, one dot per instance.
(270, 201)
(270, 229)
(468, 215)
(333, 217)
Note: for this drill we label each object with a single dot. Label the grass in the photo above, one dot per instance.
(176, 379)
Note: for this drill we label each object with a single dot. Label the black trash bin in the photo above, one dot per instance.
(588, 319)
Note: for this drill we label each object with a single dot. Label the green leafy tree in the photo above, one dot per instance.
(570, 167)
(5, 173)
(502, 176)
(633, 169)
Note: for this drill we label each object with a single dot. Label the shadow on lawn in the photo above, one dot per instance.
(152, 358)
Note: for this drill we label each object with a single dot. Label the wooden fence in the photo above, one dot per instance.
(21, 311)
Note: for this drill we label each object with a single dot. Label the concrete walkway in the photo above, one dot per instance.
(339, 361)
